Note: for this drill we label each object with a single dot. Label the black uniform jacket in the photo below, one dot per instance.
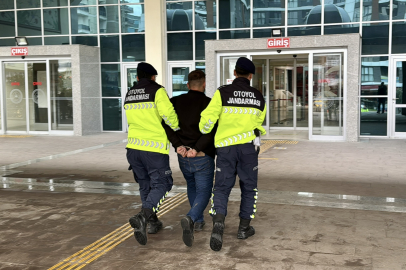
(188, 108)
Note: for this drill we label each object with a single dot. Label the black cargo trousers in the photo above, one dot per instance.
(241, 160)
(153, 174)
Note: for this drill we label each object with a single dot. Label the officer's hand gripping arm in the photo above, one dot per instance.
(166, 110)
(211, 114)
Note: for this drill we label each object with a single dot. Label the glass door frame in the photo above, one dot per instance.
(294, 66)
(46, 60)
(311, 53)
(392, 106)
(124, 90)
(27, 97)
(311, 101)
(171, 65)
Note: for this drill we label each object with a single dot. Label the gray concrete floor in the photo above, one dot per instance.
(321, 206)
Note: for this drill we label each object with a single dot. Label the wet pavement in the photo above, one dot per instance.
(321, 206)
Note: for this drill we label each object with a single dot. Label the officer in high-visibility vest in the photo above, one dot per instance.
(240, 111)
(148, 147)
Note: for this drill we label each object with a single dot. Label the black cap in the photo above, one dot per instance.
(148, 68)
(245, 64)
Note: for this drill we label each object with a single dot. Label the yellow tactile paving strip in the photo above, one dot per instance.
(93, 251)
(103, 245)
(266, 144)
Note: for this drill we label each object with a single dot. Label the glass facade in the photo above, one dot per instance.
(256, 18)
(381, 23)
(117, 26)
(61, 95)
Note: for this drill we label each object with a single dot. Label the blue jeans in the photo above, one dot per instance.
(199, 173)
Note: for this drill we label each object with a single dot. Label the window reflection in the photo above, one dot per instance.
(200, 37)
(234, 34)
(84, 20)
(400, 87)
(201, 66)
(82, 2)
(258, 33)
(133, 47)
(112, 114)
(400, 120)
(234, 14)
(131, 78)
(28, 4)
(269, 13)
(399, 37)
(180, 50)
(108, 19)
(109, 49)
(61, 95)
(304, 31)
(34, 41)
(15, 96)
(328, 95)
(54, 3)
(6, 4)
(132, 1)
(179, 80)
(29, 22)
(399, 10)
(110, 74)
(7, 42)
(7, 24)
(341, 29)
(132, 18)
(341, 11)
(302, 12)
(374, 71)
(375, 38)
(108, 1)
(56, 40)
(85, 40)
(373, 123)
(179, 16)
(56, 21)
(205, 15)
(374, 10)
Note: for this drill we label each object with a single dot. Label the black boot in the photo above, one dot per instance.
(216, 240)
(188, 229)
(139, 223)
(155, 225)
(245, 230)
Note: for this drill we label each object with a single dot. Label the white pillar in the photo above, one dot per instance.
(155, 38)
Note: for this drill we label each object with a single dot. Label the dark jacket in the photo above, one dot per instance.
(188, 108)
(382, 90)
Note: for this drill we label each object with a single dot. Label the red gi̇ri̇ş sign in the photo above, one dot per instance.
(278, 43)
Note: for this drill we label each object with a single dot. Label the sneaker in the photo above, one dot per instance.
(188, 227)
(244, 233)
(199, 226)
(216, 239)
(138, 222)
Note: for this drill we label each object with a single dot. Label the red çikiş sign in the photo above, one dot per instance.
(19, 51)
(15, 83)
(278, 43)
(37, 83)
